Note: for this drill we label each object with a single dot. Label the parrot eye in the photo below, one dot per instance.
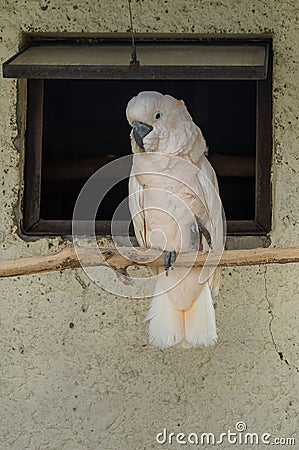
(157, 116)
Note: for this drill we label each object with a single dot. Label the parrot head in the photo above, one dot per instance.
(161, 123)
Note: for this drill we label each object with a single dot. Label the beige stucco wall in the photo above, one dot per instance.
(99, 385)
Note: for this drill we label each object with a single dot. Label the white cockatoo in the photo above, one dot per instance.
(175, 207)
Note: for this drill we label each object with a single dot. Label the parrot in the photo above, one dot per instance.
(175, 207)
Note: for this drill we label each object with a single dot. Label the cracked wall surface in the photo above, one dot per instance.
(76, 369)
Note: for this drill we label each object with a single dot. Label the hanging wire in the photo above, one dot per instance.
(134, 60)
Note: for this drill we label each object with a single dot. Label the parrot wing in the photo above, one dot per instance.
(136, 209)
(210, 190)
(136, 202)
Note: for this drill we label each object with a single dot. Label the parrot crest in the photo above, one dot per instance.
(166, 126)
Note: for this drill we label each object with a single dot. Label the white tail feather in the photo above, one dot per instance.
(191, 328)
(166, 326)
(200, 324)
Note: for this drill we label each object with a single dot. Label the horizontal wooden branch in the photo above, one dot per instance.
(67, 259)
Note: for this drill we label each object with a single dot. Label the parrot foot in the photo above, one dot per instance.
(169, 259)
(200, 230)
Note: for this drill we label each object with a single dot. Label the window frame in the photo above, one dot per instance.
(33, 225)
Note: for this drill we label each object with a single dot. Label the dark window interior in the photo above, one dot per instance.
(84, 127)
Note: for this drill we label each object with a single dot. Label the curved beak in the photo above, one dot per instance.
(140, 130)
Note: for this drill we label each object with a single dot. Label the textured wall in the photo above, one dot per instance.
(76, 370)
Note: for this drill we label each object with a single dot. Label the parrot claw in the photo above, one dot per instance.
(198, 228)
(169, 259)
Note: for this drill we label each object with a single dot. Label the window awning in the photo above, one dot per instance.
(157, 61)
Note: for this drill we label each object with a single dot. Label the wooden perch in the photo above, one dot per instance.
(67, 259)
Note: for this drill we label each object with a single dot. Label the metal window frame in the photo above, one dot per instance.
(33, 225)
(80, 60)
